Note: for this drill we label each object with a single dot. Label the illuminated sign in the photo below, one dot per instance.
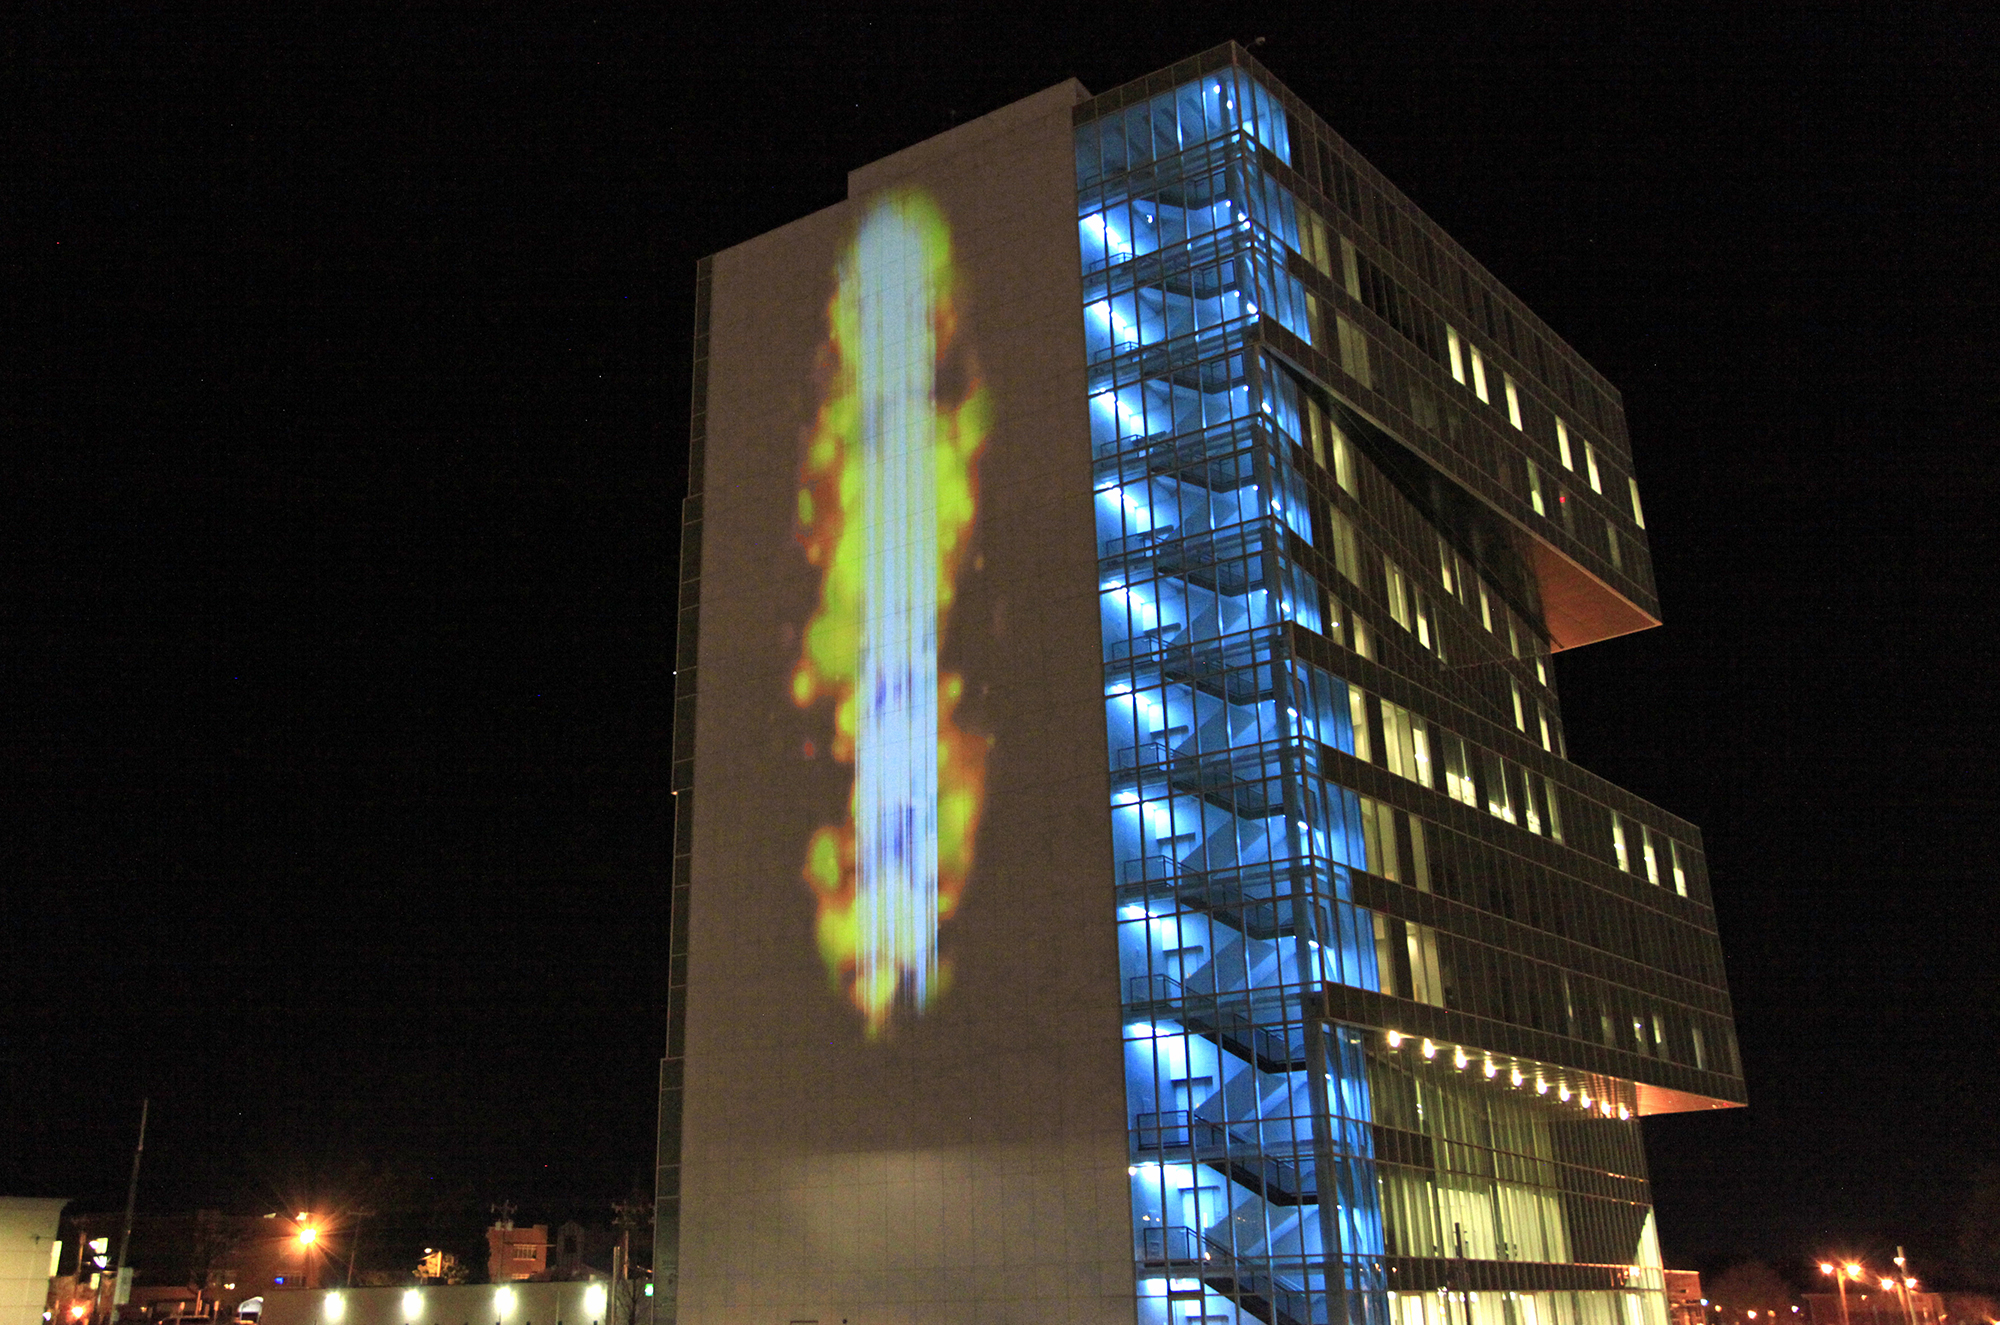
(888, 492)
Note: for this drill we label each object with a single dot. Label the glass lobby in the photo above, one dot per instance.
(1286, 1166)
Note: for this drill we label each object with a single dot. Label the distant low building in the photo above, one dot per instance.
(1970, 1309)
(516, 1254)
(201, 1262)
(1875, 1307)
(1685, 1303)
(440, 1267)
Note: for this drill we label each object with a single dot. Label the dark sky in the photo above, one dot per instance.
(345, 444)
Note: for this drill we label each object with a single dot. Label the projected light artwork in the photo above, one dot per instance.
(886, 504)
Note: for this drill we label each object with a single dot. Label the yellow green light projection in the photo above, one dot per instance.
(887, 496)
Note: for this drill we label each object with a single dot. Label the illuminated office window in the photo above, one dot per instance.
(1535, 488)
(1499, 796)
(1398, 591)
(1406, 744)
(1485, 608)
(1457, 354)
(1638, 511)
(1590, 467)
(1618, 844)
(1513, 400)
(1542, 717)
(1426, 981)
(1353, 351)
(1680, 874)
(1346, 550)
(1479, 376)
(1520, 715)
(1357, 707)
(1343, 461)
(1652, 860)
(1378, 830)
(1420, 859)
(1555, 809)
(1313, 232)
(1336, 619)
(1330, 447)
(1444, 563)
(1562, 445)
(1385, 955)
(1458, 770)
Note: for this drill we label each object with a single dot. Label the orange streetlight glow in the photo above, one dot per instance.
(1848, 1270)
(308, 1235)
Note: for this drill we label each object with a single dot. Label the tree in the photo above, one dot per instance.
(1750, 1286)
(1979, 1229)
(1971, 1308)
(216, 1240)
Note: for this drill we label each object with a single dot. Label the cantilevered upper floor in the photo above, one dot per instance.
(1423, 343)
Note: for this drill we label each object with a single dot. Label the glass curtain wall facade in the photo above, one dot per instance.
(1398, 980)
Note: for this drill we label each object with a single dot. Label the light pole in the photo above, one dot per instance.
(1841, 1274)
(308, 1235)
(1906, 1283)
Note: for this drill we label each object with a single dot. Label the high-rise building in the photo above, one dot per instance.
(1126, 862)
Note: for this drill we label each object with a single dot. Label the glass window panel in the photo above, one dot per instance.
(1111, 145)
(1138, 137)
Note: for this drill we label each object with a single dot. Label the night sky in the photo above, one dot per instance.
(345, 440)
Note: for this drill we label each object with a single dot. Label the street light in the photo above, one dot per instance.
(308, 1236)
(1908, 1283)
(1841, 1274)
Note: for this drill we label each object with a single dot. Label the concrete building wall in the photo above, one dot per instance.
(27, 1242)
(966, 1161)
(467, 1304)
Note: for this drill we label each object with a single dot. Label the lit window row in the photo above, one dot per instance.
(1368, 284)
(1495, 617)
(1628, 835)
(1412, 747)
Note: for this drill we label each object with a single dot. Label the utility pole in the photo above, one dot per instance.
(119, 1292)
(354, 1240)
(629, 1216)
